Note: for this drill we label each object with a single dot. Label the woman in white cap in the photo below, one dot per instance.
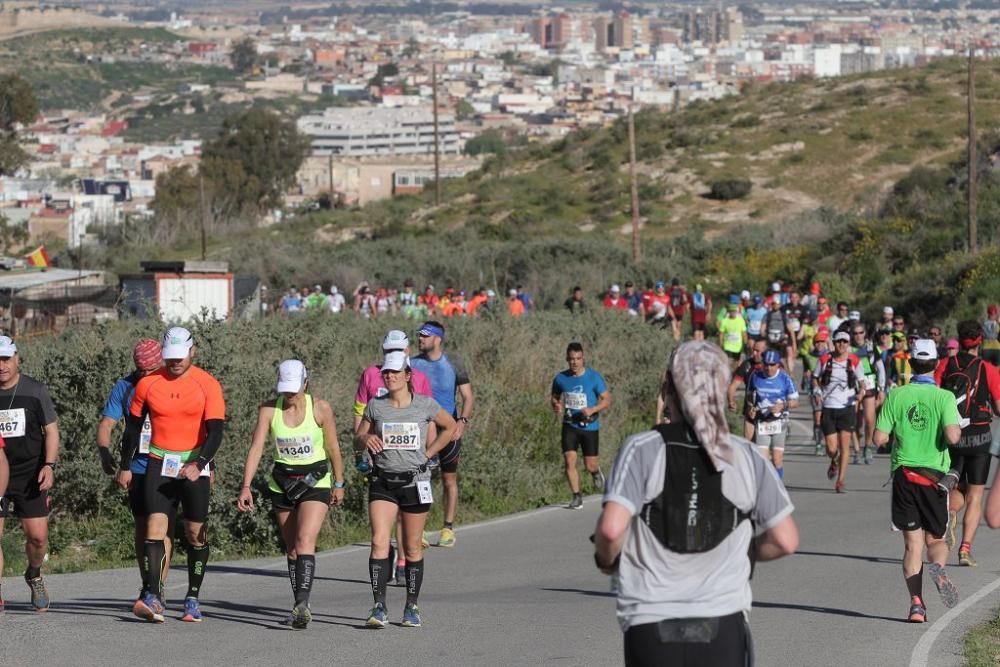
(305, 438)
(393, 430)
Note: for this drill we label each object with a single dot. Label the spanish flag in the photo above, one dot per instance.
(39, 258)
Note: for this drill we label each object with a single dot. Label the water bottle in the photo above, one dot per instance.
(363, 464)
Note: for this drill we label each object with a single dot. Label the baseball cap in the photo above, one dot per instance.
(318, 288)
(177, 343)
(490, 293)
(924, 349)
(333, 289)
(616, 288)
(913, 333)
(291, 376)
(734, 299)
(395, 340)
(431, 329)
(854, 315)
(841, 335)
(771, 357)
(822, 336)
(745, 294)
(991, 309)
(775, 287)
(898, 335)
(660, 284)
(146, 354)
(732, 307)
(697, 287)
(512, 292)
(395, 361)
(7, 347)
(952, 344)
(757, 299)
(888, 310)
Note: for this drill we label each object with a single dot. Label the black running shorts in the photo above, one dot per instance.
(280, 501)
(917, 507)
(164, 494)
(724, 642)
(835, 420)
(137, 495)
(450, 455)
(972, 468)
(23, 498)
(406, 497)
(576, 438)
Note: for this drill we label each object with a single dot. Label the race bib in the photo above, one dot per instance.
(574, 400)
(12, 423)
(733, 338)
(401, 436)
(772, 427)
(296, 447)
(424, 492)
(794, 325)
(145, 436)
(172, 467)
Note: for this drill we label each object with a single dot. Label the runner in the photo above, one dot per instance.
(991, 331)
(772, 394)
(774, 327)
(658, 305)
(839, 317)
(31, 444)
(741, 376)
(633, 298)
(678, 307)
(886, 321)
(899, 371)
(874, 375)
(838, 381)
(305, 439)
(976, 387)
(923, 419)
(579, 395)
(795, 314)
(406, 301)
(429, 300)
(514, 305)
(576, 303)
(823, 314)
(394, 432)
(448, 377)
(131, 474)
(701, 306)
(317, 300)
(755, 315)
(187, 414)
(804, 343)
(613, 300)
(821, 347)
(733, 334)
(335, 301)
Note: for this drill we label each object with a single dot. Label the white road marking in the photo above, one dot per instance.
(922, 651)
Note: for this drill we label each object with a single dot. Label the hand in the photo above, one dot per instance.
(337, 498)
(732, 406)
(45, 478)
(373, 444)
(107, 461)
(245, 502)
(752, 414)
(557, 408)
(190, 472)
(778, 407)
(124, 479)
(459, 430)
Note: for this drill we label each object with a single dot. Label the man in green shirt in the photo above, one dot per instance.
(733, 334)
(924, 420)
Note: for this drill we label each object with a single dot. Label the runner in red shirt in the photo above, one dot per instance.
(614, 300)
(678, 307)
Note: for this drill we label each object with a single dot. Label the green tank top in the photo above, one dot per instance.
(300, 445)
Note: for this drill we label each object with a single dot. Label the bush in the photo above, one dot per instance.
(729, 189)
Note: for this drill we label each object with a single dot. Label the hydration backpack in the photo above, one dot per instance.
(827, 362)
(676, 297)
(775, 326)
(965, 384)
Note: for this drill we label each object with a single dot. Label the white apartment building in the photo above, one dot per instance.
(366, 131)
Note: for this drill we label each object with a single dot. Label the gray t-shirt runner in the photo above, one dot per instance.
(403, 431)
(656, 583)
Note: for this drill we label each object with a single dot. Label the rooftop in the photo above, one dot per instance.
(25, 278)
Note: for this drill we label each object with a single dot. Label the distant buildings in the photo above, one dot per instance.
(360, 131)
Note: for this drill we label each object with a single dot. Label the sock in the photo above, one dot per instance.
(197, 561)
(414, 579)
(32, 572)
(401, 562)
(144, 574)
(154, 557)
(378, 570)
(305, 568)
(291, 575)
(781, 472)
(965, 546)
(449, 525)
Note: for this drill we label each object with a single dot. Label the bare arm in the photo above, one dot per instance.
(609, 537)
(326, 420)
(104, 429)
(603, 403)
(446, 429)
(952, 433)
(781, 540)
(468, 402)
(46, 478)
(880, 438)
(660, 402)
(4, 472)
(260, 431)
(993, 508)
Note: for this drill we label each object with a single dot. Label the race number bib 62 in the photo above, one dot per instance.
(295, 447)
(574, 400)
(401, 436)
(12, 423)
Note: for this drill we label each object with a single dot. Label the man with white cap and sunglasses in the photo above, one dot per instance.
(31, 443)
(187, 413)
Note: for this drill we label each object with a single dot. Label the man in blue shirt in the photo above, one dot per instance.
(579, 394)
(448, 377)
(131, 474)
(771, 393)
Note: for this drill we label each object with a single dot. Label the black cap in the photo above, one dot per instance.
(914, 332)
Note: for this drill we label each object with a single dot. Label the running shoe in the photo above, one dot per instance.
(820, 449)
(378, 618)
(576, 503)
(138, 601)
(301, 615)
(192, 611)
(39, 596)
(965, 559)
(598, 479)
(949, 533)
(918, 612)
(411, 616)
(831, 472)
(854, 459)
(945, 586)
(423, 542)
(839, 487)
(869, 456)
(399, 578)
(447, 538)
(149, 608)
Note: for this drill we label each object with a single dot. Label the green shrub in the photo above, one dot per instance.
(729, 189)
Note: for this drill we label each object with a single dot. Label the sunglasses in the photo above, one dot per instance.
(859, 333)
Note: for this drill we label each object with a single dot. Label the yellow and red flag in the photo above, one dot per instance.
(39, 258)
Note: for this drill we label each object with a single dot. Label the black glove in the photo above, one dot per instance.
(107, 461)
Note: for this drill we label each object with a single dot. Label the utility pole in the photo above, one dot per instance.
(973, 242)
(437, 139)
(329, 167)
(635, 187)
(201, 187)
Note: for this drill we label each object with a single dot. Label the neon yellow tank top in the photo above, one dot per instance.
(299, 445)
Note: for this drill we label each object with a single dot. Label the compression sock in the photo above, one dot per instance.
(197, 562)
(154, 558)
(414, 580)
(378, 570)
(291, 575)
(305, 568)
(35, 572)
(781, 472)
(450, 525)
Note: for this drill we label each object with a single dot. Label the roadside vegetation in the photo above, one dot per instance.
(982, 644)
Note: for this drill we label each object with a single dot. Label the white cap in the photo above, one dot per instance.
(512, 292)
(333, 289)
(395, 361)
(395, 340)
(291, 376)
(616, 288)
(7, 347)
(177, 343)
(842, 335)
(318, 288)
(924, 349)
(854, 315)
(775, 287)
(745, 294)
(887, 310)
(490, 293)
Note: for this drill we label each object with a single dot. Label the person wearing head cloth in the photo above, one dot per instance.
(924, 421)
(976, 386)
(187, 413)
(304, 432)
(670, 612)
(31, 444)
(130, 475)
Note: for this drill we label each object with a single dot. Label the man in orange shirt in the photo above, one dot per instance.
(514, 304)
(478, 299)
(186, 413)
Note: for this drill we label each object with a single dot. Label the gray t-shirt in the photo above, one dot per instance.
(403, 431)
(656, 583)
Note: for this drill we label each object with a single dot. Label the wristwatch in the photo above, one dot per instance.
(464, 419)
(51, 464)
(339, 485)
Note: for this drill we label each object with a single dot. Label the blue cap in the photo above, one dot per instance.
(734, 298)
(660, 284)
(758, 299)
(772, 357)
(431, 329)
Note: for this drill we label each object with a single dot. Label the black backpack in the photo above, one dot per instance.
(964, 382)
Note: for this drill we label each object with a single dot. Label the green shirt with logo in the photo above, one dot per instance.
(917, 414)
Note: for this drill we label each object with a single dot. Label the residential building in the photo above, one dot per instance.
(368, 131)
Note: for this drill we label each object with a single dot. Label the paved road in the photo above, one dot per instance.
(523, 591)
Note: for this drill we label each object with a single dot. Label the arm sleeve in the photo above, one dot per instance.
(627, 482)
(773, 503)
(213, 441)
(116, 405)
(130, 440)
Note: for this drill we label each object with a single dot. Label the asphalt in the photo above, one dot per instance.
(522, 590)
